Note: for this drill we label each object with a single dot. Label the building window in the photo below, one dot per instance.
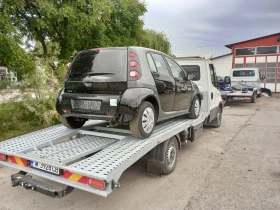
(238, 65)
(250, 65)
(267, 50)
(245, 51)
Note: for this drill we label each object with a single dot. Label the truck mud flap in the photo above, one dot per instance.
(26, 181)
(195, 132)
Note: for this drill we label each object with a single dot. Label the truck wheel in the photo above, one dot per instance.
(253, 99)
(170, 156)
(142, 125)
(195, 108)
(218, 120)
(72, 122)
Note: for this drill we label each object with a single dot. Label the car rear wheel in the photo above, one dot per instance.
(195, 108)
(72, 122)
(142, 125)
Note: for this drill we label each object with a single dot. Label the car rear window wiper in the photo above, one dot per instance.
(98, 74)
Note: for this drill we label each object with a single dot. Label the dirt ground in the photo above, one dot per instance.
(236, 166)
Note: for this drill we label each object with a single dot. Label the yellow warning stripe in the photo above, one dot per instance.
(19, 161)
(75, 177)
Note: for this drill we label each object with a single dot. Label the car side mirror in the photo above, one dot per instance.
(190, 77)
(227, 80)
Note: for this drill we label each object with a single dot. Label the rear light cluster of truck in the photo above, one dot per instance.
(3, 157)
(133, 66)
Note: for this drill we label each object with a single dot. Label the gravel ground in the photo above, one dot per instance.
(233, 167)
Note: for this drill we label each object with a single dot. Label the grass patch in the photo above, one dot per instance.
(18, 118)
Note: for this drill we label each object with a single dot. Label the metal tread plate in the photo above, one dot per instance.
(66, 152)
(19, 144)
(110, 163)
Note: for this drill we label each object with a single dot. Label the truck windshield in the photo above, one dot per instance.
(243, 73)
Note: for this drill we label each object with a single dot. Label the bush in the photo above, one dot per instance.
(4, 83)
(18, 118)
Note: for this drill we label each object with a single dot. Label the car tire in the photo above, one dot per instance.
(171, 152)
(145, 115)
(253, 99)
(218, 120)
(72, 122)
(259, 95)
(195, 108)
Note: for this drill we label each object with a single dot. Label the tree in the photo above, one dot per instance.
(156, 40)
(11, 54)
(77, 24)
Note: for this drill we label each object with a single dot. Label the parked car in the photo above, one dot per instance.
(134, 85)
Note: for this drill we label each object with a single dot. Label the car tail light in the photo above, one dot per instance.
(132, 55)
(133, 64)
(67, 111)
(134, 74)
(96, 183)
(3, 157)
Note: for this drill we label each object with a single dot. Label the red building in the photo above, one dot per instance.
(262, 52)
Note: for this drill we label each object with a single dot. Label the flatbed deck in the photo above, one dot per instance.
(93, 151)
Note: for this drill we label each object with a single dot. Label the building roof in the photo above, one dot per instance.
(220, 56)
(230, 45)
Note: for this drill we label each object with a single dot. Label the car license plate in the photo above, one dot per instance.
(87, 104)
(45, 167)
(238, 98)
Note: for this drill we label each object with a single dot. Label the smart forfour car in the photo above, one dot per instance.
(126, 85)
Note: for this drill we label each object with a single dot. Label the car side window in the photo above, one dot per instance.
(160, 64)
(151, 63)
(175, 69)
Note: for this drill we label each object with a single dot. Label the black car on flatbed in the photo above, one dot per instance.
(134, 85)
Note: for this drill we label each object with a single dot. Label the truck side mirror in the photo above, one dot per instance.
(262, 77)
(227, 80)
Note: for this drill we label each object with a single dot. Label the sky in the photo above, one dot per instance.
(204, 27)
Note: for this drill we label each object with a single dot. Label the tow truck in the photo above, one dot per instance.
(94, 157)
(245, 85)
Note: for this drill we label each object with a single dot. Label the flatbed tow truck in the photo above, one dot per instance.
(92, 161)
(94, 157)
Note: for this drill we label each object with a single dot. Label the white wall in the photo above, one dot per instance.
(223, 65)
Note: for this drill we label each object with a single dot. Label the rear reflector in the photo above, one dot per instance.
(133, 64)
(3, 157)
(99, 184)
(132, 55)
(134, 74)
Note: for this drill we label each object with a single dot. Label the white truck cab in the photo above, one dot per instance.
(204, 76)
(245, 85)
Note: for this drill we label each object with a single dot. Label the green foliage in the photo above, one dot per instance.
(156, 40)
(18, 118)
(4, 83)
(14, 57)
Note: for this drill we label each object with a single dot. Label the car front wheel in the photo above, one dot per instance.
(195, 108)
(72, 122)
(144, 121)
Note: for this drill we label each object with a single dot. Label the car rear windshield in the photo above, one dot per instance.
(99, 62)
(193, 70)
(243, 73)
